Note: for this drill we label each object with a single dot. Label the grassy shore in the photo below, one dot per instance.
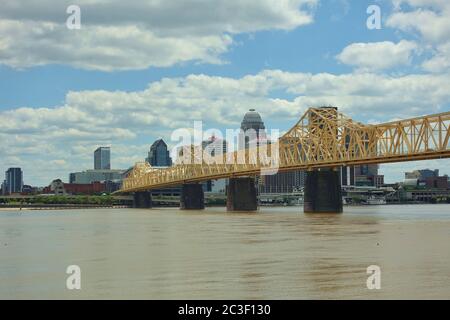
(50, 201)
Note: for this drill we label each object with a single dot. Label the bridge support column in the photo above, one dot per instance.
(192, 197)
(322, 192)
(142, 199)
(241, 195)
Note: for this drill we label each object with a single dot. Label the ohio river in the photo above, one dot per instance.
(277, 253)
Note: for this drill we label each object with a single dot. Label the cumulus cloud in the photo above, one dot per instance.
(50, 142)
(440, 61)
(122, 35)
(430, 21)
(378, 55)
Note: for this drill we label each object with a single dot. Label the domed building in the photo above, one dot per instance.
(253, 128)
(252, 120)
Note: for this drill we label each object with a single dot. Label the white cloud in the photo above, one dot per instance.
(432, 26)
(378, 55)
(440, 61)
(118, 35)
(430, 21)
(40, 139)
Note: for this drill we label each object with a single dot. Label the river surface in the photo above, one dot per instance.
(277, 253)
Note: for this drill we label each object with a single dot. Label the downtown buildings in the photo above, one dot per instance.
(426, 178)
(100, 179)
(102, 169)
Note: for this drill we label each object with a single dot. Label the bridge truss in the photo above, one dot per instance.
(322, 138)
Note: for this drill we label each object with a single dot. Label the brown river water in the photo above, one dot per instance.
(276, 253)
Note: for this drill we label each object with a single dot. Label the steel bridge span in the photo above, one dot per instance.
(320, 142)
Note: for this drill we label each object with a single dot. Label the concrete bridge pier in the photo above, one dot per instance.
(142, 199)
(241, 195)
(192, 197)
(322, 192)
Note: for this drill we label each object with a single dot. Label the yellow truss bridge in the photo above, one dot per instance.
(322, 138)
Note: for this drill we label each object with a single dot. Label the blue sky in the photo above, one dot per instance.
(124, 81)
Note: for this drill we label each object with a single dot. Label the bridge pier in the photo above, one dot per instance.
(322, 192)
(241, 195)
(142, 200)
(192, 197)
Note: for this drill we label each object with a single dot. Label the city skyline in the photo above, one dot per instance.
(159, 156)
(250, 119)
(54, 109)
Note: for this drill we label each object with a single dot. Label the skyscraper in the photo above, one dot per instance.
(253, 128)
(102, 158)
(159, 156)
(13, 181)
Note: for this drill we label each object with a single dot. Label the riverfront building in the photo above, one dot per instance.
(89, 176)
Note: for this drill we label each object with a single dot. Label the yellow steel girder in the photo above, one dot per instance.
(323, 137)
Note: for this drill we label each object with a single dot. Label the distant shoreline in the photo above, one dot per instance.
(19, 207)
(92, 206)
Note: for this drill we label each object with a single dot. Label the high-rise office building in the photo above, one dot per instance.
(159, 155)
(102, 158)
(253, 129)
(13, 181)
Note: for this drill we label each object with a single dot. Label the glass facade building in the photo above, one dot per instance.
(102, 158)
(13, 181)
(159, 156)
